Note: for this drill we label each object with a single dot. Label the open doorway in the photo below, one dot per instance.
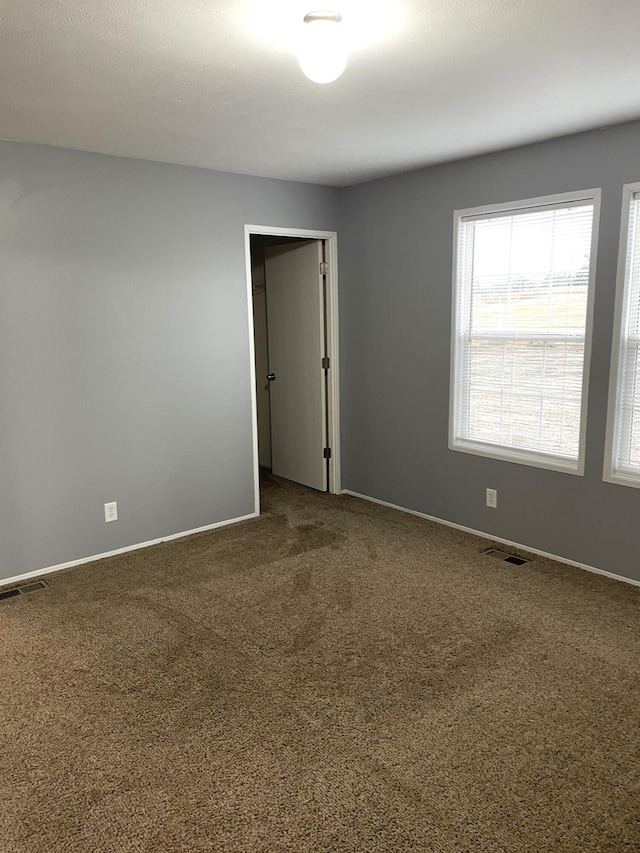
(292, 283)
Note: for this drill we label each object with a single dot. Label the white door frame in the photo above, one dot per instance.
(333, 377)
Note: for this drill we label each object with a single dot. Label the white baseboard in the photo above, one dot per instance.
(58, 568)
(493, 538)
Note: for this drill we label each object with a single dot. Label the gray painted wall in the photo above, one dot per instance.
(395, 314)
(124, 367)
(124, 360)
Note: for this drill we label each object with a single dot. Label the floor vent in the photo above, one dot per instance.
(505, 557)
(9, 593)
(14, 591)
(32, 587)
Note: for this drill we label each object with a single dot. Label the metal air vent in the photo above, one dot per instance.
(505, 557)
(15, 591)
(32, 587)
(9, 593)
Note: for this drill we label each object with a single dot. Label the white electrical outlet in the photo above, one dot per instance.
(492, 498)
(111, 511)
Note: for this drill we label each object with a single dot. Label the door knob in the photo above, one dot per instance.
(271, 376)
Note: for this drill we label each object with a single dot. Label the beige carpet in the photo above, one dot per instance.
(333, 676)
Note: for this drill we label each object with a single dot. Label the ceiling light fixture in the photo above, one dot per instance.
(323, 52)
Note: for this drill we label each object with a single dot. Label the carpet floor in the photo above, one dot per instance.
(332, 676)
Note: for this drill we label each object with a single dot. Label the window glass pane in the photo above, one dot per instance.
(521, 315)
(629, 413)
(526, 394)
(625, 447)
(634, 429)
(531, 272)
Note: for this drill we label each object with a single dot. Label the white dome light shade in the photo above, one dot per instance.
(323, 52)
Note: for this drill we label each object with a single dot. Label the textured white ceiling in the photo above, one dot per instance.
(215, 83)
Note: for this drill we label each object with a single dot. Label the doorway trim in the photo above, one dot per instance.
(333, 377)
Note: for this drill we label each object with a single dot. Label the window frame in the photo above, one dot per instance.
(610, 474)
(522, 456)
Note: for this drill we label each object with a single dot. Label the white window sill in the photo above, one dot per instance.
(619, 478)
(564, 464)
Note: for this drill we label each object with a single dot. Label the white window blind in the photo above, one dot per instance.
(520, 332)
(624, 415)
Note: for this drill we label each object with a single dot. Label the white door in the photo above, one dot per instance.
(295, 323)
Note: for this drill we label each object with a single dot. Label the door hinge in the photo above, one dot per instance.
(327, 453)
(326, 363)
(324, 268)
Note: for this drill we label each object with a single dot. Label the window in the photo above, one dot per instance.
(622, 461)
(523, 283)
